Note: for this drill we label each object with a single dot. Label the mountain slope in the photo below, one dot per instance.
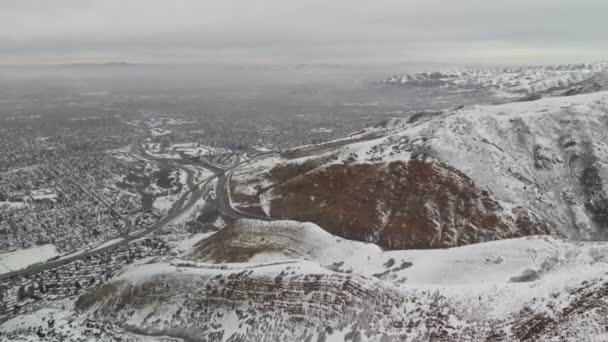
(449, 178)
(529, 289)
(513, 81)
(402, 204)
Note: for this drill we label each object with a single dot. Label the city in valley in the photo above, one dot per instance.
(344, 171)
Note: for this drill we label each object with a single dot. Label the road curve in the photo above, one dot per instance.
(225, 205)
(197, 191)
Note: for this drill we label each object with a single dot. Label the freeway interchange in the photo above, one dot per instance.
(182, 205)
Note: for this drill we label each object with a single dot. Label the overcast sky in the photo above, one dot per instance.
(303, 31)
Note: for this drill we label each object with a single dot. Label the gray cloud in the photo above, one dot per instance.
(258, 31)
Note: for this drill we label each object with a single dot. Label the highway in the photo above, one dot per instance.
(174, 212)
(183, 204)
(224, 203)
(223, 174)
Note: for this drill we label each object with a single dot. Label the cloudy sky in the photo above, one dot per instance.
(303, 31)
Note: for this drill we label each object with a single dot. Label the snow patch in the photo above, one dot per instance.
(22, 258)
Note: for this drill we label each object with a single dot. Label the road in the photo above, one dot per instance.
(183, 204)
(174, 212)
(138, 150)
(223, 200)
(223, 190)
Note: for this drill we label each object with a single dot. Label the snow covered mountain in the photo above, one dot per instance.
(294, 281)
(440, 179)
(468, 224)
(514, 81)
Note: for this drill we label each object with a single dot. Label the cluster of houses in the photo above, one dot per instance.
(59, 185)
(255, 135)
(22, 294)
(65, 207)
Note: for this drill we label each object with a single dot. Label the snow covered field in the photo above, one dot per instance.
(23, 258)
(174, 151)
(13, 205)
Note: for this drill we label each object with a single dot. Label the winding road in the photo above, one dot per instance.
(223, 190)
(182, 205)
(224, 203)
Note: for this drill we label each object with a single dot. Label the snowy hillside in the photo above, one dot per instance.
(548, 155)
(478, 223)
(327, 288)
(516, 169)
(514, 81)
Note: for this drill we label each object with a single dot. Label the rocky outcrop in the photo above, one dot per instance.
(294, 301)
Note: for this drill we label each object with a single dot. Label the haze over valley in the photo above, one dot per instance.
(226, 171)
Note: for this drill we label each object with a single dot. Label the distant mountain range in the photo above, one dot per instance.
(465, 224)
(513, 81)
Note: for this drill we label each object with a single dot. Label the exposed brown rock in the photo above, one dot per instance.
(228, 245)
(405, 204)
(587, 300)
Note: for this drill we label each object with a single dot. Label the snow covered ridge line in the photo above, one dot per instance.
(297, 282)
(518, 167)
(496, 263)
(529, 289)
(518, 80)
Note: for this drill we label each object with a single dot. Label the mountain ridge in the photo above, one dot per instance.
(513, 82)
(519, 154)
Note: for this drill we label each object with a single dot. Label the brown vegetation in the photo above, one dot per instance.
(405, 204)
(228, 245)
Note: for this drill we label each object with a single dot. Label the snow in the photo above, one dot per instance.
(159, 132)
(23, 169)
(265, 202)
(527, 154)
(262, 148)
(484, 142)
(146, 271)
(164, 203)
(478, 276)
(507, 81)
(108, 243)
(174, 151)
(43, 194)
(489, 263)
(186, 245)
(189, 214)
(321, 130)
(252, 173)
(67, 326)
(13, 205)
(473, 282)
(23, 258)
(177, 121)
(200, 173)
(33, 320)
